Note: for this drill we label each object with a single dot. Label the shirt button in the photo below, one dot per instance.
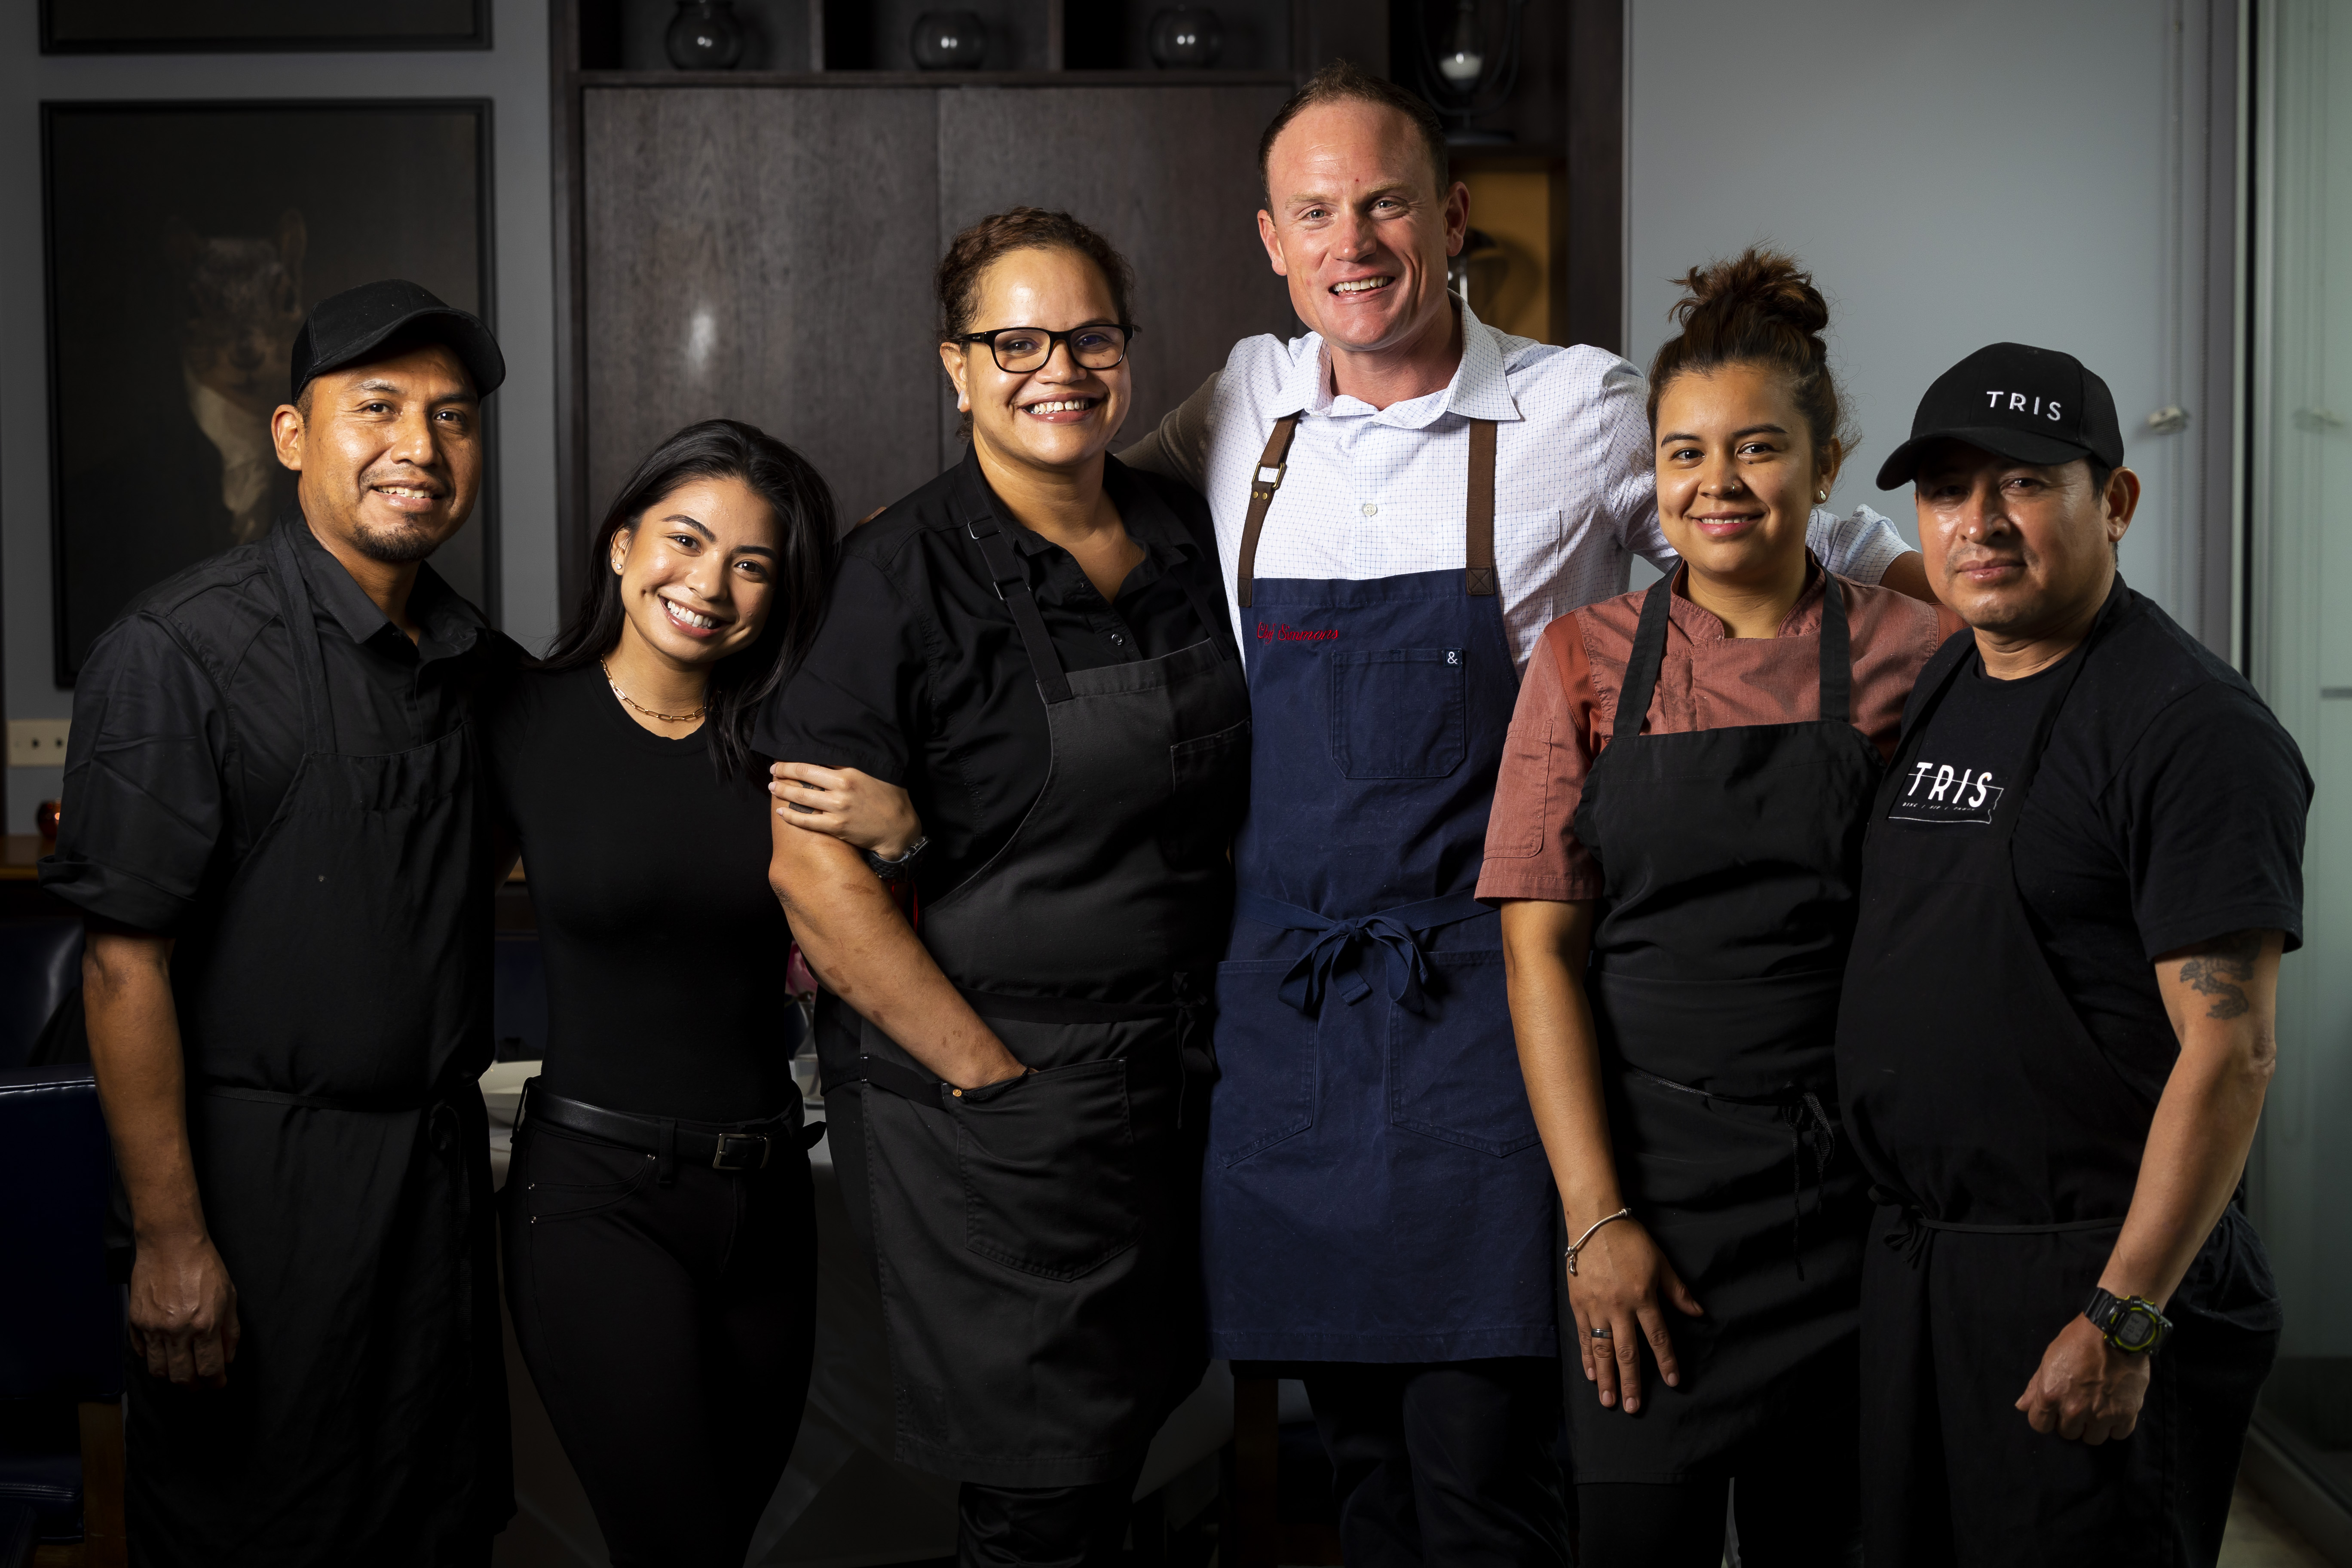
(1116, 640)
(1371, 510)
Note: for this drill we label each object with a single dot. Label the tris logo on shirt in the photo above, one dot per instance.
(1939, 792)
(1268, 631)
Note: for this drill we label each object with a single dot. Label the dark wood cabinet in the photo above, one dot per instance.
(759, 243)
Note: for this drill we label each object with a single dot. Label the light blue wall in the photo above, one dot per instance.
(513, 75)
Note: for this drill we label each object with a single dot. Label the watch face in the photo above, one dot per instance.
(2135, 1329)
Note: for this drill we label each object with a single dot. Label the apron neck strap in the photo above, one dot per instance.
(1477, 518)
(1264, 479)
(1012, 580)
(1837, 654)
(1642, 665)
(302, 638)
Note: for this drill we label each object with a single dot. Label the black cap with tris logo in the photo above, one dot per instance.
(2036, 405)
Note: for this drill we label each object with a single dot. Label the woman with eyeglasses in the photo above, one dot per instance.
(1035, 644)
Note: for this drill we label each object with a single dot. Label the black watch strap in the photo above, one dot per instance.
(904, 866)
(2130, 1323)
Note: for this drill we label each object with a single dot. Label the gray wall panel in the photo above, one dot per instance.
(764, 256)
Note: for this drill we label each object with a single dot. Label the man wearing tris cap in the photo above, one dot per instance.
(2081, 870)
(273, 827)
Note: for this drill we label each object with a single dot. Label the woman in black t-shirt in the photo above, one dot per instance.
(659, 1235)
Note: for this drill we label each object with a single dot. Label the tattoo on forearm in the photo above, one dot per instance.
(2222, 970)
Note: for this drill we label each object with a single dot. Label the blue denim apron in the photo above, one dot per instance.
(1374, 1189)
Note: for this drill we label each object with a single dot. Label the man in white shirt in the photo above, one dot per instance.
(1404, 498)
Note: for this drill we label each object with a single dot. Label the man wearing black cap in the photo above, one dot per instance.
(2082, 865)
(272, 824)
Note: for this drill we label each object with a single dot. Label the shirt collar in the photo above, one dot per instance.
(1481, 387)
(1803, 619)
(1148, 521)
(450, 624)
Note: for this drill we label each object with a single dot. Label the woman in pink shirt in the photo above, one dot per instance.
(1675, 843)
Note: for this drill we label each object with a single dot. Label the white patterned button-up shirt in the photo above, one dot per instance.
(1379, 492)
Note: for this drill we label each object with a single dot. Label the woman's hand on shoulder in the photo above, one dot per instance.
(857, 808)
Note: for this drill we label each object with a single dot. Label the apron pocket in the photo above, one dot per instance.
(1396, 714)
(1454, 1070)
(1266, 1063)
(1210, 777)
(1048, 1164)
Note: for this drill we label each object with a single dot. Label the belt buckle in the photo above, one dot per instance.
(722, 1157)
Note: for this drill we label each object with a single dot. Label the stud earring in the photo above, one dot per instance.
(1821, 495)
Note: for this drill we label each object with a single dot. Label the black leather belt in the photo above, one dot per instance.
(723, 1146)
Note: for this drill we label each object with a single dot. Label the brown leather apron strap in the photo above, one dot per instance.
(1262, 484)
(1479, 539)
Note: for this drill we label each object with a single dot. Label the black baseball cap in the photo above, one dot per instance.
(2037, 406)
(352, 325)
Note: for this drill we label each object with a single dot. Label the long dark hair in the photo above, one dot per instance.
(805, 546)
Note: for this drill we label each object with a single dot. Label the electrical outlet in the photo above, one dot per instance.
(38, 743)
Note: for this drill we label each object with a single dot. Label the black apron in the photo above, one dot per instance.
(1730, 859)
(2004, 1148)
(1036, 1240)
(334, 1016)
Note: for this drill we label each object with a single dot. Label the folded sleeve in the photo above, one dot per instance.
(861, 694)
(1531, 847)
(144, 807)
(1627, 469)
(2214, 800)
(1860, 547)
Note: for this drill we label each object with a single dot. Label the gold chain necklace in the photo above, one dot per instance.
(693, 718)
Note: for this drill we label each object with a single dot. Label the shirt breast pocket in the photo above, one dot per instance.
(1397, 712)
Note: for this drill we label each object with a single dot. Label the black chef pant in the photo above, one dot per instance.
(1954, 1325)
(1794, 1490)
(1448, 1463)
(1045, 1527)
(668, 1329)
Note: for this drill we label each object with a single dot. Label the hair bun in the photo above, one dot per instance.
(1755, 290)
(1758, 307)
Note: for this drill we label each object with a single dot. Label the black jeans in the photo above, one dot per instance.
(668, 1329)
(1043, 1527)
(1450, 1464)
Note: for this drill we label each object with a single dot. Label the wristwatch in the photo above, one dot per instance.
(891, 870)
(2130, 1323)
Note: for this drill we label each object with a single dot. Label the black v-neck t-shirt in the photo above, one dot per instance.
(2167, 810)
(665, 948)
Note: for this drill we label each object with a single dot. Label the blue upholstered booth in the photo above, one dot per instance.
(40, 961)
(60, 1313)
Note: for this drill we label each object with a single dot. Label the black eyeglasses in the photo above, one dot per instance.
(1020, 350)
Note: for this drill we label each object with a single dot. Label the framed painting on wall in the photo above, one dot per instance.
(176, 27)
(185, 243)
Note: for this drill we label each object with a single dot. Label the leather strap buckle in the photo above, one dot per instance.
(733, 1152)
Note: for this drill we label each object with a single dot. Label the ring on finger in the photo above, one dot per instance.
(1602, 1333)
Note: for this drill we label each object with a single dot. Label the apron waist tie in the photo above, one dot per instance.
(1909, 1239)
(1811, 1128)
(1340, 946)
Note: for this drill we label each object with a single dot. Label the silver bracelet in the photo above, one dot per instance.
(1577, 1244)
